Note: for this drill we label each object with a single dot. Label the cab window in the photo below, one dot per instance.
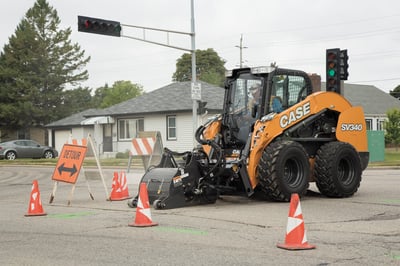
(286, 91)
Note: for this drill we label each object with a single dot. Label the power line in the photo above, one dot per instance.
(376, 80)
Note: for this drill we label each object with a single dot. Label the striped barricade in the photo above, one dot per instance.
(148, 146)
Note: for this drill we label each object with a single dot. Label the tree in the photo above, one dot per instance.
(209, 67)
(119, 92)
(35, 67)
(392, 127)
(396, 92)
(76, 100)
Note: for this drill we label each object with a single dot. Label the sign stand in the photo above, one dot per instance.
(148, 146)
(98, 166)
(69, 165)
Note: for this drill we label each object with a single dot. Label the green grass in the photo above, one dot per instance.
(87, 162)
(392, 158)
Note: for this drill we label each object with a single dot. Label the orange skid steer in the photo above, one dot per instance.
(274, 136)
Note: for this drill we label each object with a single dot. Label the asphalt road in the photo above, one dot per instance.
(361, 230)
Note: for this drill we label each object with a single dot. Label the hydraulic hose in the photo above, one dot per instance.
(217, 148)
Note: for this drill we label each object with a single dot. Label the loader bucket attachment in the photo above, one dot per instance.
(170, 188)
(164, 189)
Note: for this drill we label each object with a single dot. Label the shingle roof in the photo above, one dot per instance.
(373, 100)
(73, 120)
(175, 97)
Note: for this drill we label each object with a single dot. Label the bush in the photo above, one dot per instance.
(122, 155)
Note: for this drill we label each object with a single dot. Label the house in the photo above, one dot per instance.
(169, 111)
(76, 126)
(374, 101)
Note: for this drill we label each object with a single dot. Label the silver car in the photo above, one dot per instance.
(23, 148)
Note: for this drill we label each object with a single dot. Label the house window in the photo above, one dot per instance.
(379, 124)
(368, 122)
(129, 128)
(23, 134)
(171, 127)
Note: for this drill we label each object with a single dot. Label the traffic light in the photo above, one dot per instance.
(202, 108)
(344, 65)
(333, 70)
(99, 26)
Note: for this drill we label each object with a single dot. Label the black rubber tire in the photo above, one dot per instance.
(284, 169)
(158, 205)
(48, 155)
(11, 155)
(337, 170)
(133, 202)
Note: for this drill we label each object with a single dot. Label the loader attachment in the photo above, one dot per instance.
(174, 185)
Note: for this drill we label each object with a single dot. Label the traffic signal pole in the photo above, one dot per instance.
(194, 74)
(114, 28)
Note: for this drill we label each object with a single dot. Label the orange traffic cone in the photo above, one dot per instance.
(35, 204)
(295, 233)
(119, 189)
(143, 215)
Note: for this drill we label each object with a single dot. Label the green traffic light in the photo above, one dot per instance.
(331, 72)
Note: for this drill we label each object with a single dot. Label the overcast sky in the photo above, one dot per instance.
(292, 33)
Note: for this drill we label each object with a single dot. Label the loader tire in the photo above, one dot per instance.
(283, 169)
(337, 170)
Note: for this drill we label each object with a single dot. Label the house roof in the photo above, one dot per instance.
(175, 97)
(373, 100)
(73, 120)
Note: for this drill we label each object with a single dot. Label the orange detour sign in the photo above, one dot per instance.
(69, 163)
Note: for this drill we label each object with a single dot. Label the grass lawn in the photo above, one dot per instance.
(392, 158)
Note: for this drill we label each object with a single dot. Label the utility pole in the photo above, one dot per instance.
(241, 47)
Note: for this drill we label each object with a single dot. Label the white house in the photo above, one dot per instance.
(167, 110)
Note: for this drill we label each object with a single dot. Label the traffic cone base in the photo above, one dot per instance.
(143, 214)
(119, 187)
(36, 214)
(296, 238)
(35, 207)
(143, 225)
(296, 247)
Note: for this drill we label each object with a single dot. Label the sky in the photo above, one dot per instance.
(293, 33)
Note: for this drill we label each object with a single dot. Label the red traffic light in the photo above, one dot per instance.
(99, 26)
(88, 24)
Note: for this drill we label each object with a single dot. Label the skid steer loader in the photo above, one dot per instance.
(274, 136)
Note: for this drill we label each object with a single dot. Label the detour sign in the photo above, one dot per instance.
(69, 163)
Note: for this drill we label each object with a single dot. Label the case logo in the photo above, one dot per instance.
(295, 115)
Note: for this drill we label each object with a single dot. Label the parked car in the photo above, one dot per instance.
(23, 148)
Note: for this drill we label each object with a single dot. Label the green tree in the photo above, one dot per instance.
(209, 67)
(119, 92)
(36, 66)
(396, 92)
(75, 101)
(99, 95)
(392, 127)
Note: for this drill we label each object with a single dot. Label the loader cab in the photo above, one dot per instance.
(251, 93)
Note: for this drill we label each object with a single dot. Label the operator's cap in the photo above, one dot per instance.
(255, 86)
